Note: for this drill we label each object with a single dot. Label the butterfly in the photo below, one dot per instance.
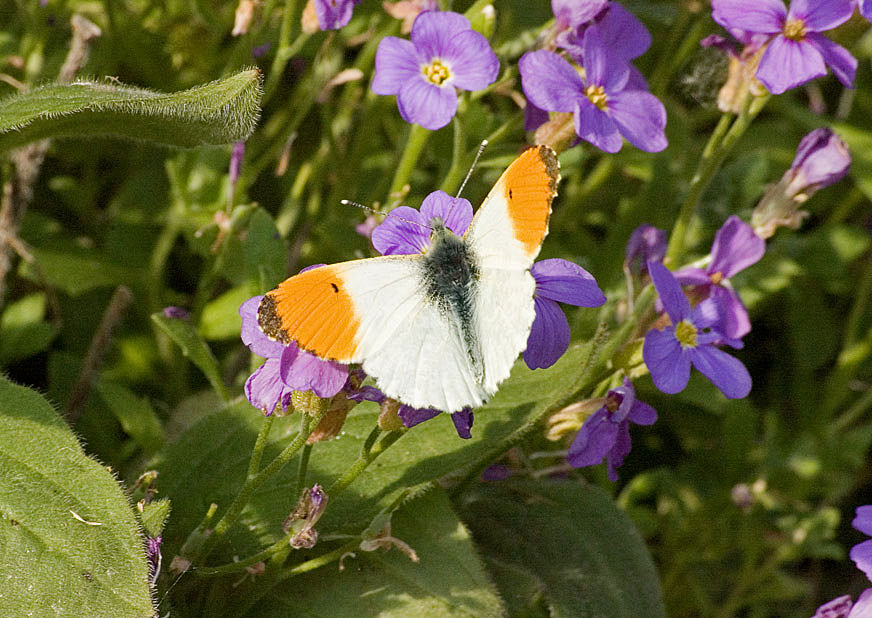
(440, 329)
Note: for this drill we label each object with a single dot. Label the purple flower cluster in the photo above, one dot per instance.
(861, 554)
(444, 54)
(796, 51)
(610, 101)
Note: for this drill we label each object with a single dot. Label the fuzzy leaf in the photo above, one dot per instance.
(70, 543)
(572, 539)
(219, 112)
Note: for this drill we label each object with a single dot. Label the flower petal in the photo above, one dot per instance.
(473, 63)
(593, 441)
(691, 275)
(751, 15)
(866, 9)
(839, 59)
(403, 232)
(820, 15)
(572, 13)
(334, 14)
(549, 81)
(433, 30)
(863, 607)
(619, 451)
(566, 282)
(595, 126)
(786, 64)
(641, 118)
(735, 248)
(601, 66)
(534, 117)
(303, 371)
(463, 422)
(414, 416)
(622, 33)
(251, 334)
(265, 389)
(549, 335)
(837, 608)
(667, 362)
(646, 243)
(396, 62)
(674, 300)
(455, 212)
(426, 104)
(724, 371)
(861, 554)
(733, 320)
(642, 414)
(863, 519)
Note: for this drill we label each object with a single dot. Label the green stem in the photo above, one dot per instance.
(850, 416)
(284, 51)
(259, 444)
(370, 451)
(314, 563)
(713, 156)
(303, 469)
(241, 565)
(241, 500)
(418, 137)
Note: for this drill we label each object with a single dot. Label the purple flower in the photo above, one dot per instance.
(690, 340)
(557, 281)
(647, 243)
(236, 161)
(176, 313)
(444, 54)
(861, 553)
(604, 107)
(407, 231)
(622, 33)
(841, 607)
(462, 419)
(797, 52)
(865, 7)
(736, 247)
(334, 14)
(606, 432)
(287, 367)
(154, 557)
(822, 158)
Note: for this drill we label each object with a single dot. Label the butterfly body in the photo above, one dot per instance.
(440, 329)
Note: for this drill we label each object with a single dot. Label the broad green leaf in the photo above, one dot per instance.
(447, 581)
(572, 539)
(186, 337)
(154, 516)
(75, 270)
(222, 111)
(23, 332)
(136, 415)
(69, 543)
(220, 319)
(265, 252)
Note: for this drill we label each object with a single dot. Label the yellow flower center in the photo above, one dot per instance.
(597, 96)
(794, 29)
(716, 277)
(685, 332)
(436, 72)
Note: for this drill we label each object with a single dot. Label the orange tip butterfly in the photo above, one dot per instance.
(441, 329)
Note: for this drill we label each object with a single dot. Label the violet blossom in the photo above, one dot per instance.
(735, 248)
(287, 368)
(606, 432)
(647, 243)
(444, 54)
(797, 51)
(605, 106)
(690, 339)
(334, 14)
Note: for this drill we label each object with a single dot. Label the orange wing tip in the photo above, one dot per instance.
(269, 321)
(530, 184)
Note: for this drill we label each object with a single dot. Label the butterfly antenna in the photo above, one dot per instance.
(373, 211)
(481, 148)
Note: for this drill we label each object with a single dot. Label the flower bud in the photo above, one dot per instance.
(300, 524)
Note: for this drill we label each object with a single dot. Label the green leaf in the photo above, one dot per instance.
(220, 319)
(583, 551)
(265, 252)
(222, 111)
(136, 415)
(185, 335)
(70, 543)
(154, 516)
(448, 580)
(23, 332)
(75, 270)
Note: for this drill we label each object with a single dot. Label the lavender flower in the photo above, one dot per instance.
(865, 7)
(606, 432)
(735, 248)
(334, 14)
(556, 280)
(646, 243)
(287, 367)
(690, 339)
(861, 553)
(444, 54)
(154, 557)
(822, 159)
(622, 33)
(572, 14)
(604, 107)
(462, 419)
(797, 52)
